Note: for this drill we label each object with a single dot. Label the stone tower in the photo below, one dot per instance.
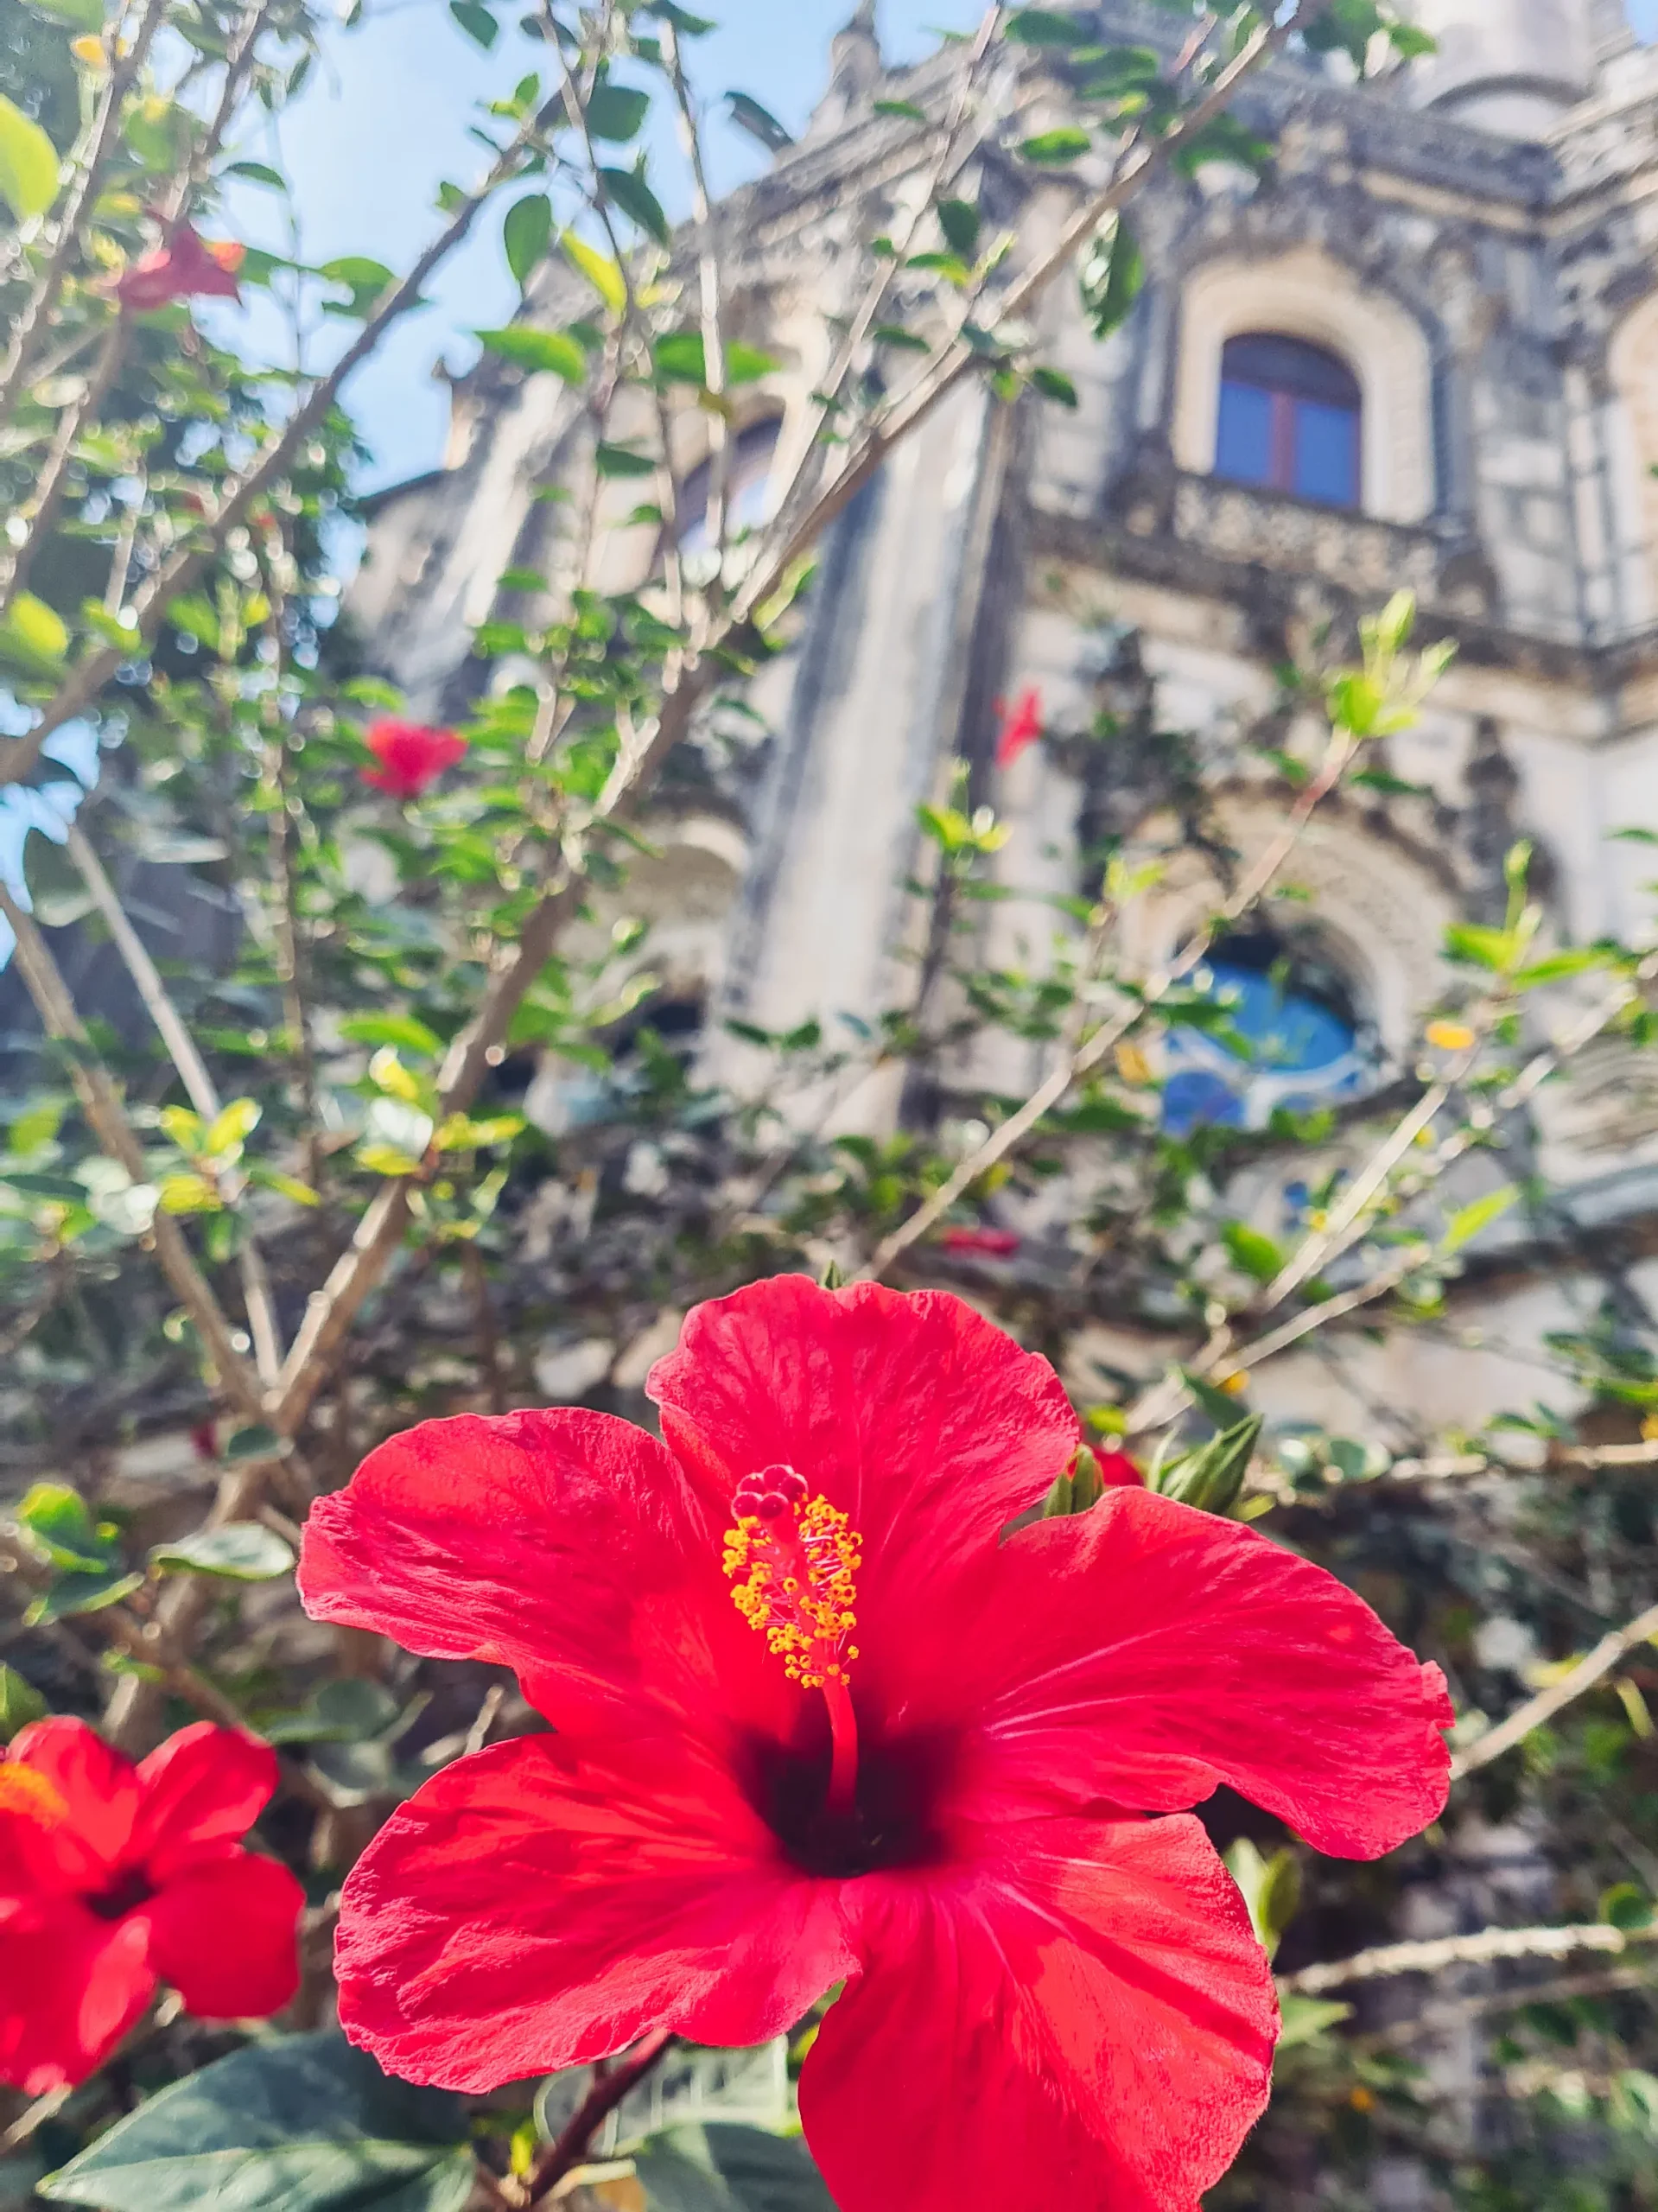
(1509, 66)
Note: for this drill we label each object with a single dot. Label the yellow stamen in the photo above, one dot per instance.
(22, 1790)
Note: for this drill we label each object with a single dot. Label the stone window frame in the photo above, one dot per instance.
(1310, 295)
(1632, 373)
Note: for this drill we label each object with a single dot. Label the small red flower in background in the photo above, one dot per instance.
(115, 1877)
(927, 1776)
(1021, 726)
(995, 1243)
(186, 267)
(411, 756)
(1118, 1471)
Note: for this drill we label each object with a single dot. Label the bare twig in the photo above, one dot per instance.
(1600, 1662)
(1486, 1948)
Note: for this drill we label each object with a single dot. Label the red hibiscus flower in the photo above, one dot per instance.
(411, 756)
(1118, 1471)
(993, 1243)
(114, 1877)
(186, 267)
(1021, 726)
(943, 1803)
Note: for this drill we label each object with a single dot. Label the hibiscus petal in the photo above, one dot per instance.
(71, 1986)
(98, 1785)
(567, 1545)
(206, 1786)
(1084, 2017)
(913, 1414)
(225, 1934)
(531, 1909)
(1145, 1653)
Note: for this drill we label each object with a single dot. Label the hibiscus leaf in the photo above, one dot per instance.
(242, 1551)
(722, 2167)
(21, 1703)
(303, 2124)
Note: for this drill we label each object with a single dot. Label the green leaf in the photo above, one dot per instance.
(1481, 947)
(1626, 1905)
(722, 2167)
(906, 110)
(256, 1442)
(1466, 1225)
(536, 350)
(1256, 1254)
(628, 190)
(1222, 1409)
(476, 22)
(620, 460)
(80, 15)
(526, 234)
(60, 1530)
(59, 1190)
(33, 635)
(759, 122)
(616, 113)
(242, 1551)
(1111, 276)
(1559, 966)
(960, 221)
(892, 334)
(688, 25)
(1055, 149)
(1271, 1887)
(21, 1703)
(1053, 384)
(680, 358)
(1043, 26)
(234, 1126)
(301, 2124)
(1307, 2017)
(600, 271)
(81, 1593)
(28, 164)
(258, 172)
(400, 1031)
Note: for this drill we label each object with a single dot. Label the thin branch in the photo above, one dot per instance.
(102, 1104)
(1487, 1948)
(1608, 1653)
(601, 2100)
(1088, 1055)
(1560, 1990)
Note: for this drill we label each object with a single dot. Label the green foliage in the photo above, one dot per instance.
(719, 2167)
(307, 2123)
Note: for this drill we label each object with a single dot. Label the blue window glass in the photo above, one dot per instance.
(1293, 1042)
(1291, 416)
(1327, 454)
(1244, 452)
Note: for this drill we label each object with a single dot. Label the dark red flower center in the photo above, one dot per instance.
(892, 1821)
(123, 1893)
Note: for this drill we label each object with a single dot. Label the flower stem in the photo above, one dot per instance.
(843, 1732)
(607, 2091)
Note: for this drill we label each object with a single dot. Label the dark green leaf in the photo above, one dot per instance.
(1053, 384)
(720, 2167)
(477, 22)
(759, 122)
(527, 234)
(57, 1188)
(617, 112)
(688, 25)
(959, 219)
(242, 1551)
(304, 2123)
(1222, 1409)
(256, 1442)
(258, 172)
(628, 190)
(1111, 278)
(81, 1593)
(906, 110)
(892, 334)
(1043, 26)
(619, 460)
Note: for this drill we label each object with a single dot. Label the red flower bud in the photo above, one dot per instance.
(1021, 726)
(186, 267)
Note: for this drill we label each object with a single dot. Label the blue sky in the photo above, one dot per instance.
(384, 119)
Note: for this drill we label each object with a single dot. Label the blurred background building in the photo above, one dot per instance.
(1420, 348)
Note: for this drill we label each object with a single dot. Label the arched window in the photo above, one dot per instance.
(1291, 415)
(748, 489)
(1287, 1036)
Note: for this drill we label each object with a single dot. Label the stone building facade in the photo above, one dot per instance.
(1422, 350)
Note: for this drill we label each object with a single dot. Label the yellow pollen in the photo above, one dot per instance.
(22, 1790)
(795, 1572)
